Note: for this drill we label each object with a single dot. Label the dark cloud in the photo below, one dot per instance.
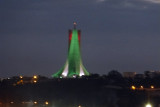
(116, 34)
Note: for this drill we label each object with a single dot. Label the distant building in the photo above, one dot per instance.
(139, 76)
(129, 74)
(157, 73)
(152, 74)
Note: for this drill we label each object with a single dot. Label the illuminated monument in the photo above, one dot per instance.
(73, 66)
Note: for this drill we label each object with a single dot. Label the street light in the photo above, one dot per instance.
(148, 105)
(35, 102)
(133, 87)
(141, 87)
(20, 77)
(46, 103)
(35, 77)
(152, 87)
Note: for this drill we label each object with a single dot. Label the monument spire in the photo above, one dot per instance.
(73, 66)
(74, 25)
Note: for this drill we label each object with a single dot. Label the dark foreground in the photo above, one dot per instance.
(82, 92)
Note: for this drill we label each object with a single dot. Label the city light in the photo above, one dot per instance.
(152, 87)
(148, 105)
(20, 77)
(35, 81)
(133, 87)
(11, 102)
(35, 77)
(35, 102)
(46, 103)
(141, 87)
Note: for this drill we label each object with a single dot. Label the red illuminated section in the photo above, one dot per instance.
(70, 37)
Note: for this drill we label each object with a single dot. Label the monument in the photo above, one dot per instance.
(73, 66)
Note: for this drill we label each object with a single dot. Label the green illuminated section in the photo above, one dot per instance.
(74, 55)
(73, 65)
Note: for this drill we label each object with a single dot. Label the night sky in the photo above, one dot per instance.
(123, 35)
